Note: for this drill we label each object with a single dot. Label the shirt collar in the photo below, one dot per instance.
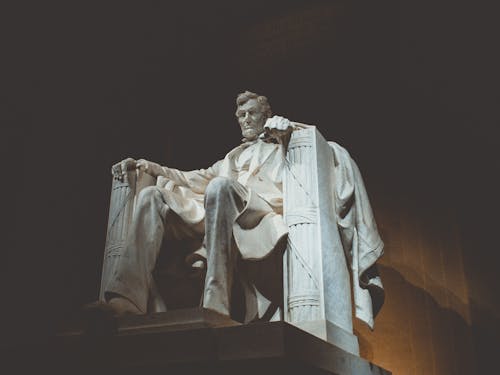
(264, 137)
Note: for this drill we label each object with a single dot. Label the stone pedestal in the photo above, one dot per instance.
(199, 341)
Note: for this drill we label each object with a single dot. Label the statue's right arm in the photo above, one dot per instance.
(196, 180)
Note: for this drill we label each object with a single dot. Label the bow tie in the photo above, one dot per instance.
(263, 137)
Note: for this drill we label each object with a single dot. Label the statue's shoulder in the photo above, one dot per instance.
(235, 151)
(338, 149)
(230, 157)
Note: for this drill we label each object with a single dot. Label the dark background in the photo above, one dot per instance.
(409, 88)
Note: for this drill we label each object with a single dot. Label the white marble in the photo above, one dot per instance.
(283, 182)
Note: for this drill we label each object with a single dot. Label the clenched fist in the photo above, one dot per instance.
(278, 127)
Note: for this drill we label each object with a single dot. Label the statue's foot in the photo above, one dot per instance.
(115, 307)
(122, 306)
(99, 317)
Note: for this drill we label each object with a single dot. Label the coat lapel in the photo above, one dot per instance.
(260, 155)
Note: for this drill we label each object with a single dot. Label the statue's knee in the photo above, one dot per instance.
(219, 185)
(148, 195)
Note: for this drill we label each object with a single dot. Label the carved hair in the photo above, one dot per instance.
(262, 100)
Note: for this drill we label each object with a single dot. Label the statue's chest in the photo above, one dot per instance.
(260, 160)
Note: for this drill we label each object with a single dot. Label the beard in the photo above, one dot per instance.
(251, 133)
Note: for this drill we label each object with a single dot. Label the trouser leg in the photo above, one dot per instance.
(132, 277)
(224, 200)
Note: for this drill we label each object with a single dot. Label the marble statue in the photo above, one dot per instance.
(284, 214)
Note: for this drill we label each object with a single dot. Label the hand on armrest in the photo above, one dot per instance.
(151, 168)
(279, 128)
(119, 169)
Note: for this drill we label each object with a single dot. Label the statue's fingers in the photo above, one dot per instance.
(132, 162)
(142, 164)
(116, 172)
(123, 167)
(115, 168)
(274, 125)
(269, 124)
(129, 164)
(284, 124)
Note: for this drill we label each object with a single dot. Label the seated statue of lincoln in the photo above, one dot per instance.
(236, 206)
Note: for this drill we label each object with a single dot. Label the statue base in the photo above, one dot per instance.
(196, 341)
(331, 333)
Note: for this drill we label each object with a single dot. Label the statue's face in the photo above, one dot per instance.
(251, 119)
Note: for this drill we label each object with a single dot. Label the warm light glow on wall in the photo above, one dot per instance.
(424, 326)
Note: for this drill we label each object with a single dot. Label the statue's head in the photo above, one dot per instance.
(252, 111)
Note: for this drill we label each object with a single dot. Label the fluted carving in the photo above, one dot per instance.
(315, 275)
(121, 208)
(301, 266)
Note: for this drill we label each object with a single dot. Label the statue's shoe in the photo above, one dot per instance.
(122, 306)
(115, 307)
(100, 318)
